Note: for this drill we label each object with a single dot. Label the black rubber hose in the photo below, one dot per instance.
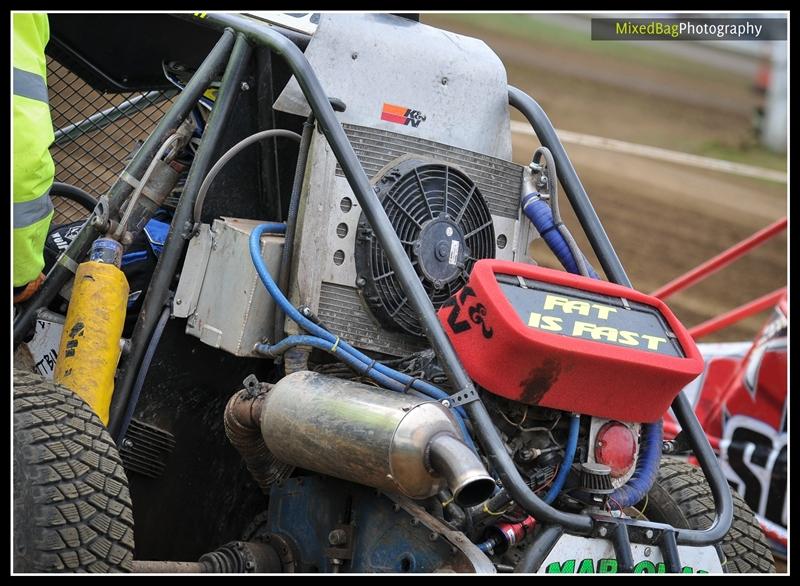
(164, 273)
(73, 193)
(537, 552)
(67, 263)
(291, 223)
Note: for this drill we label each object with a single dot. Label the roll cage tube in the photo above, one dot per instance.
(65, 267)
(358, 181)
(485, 430)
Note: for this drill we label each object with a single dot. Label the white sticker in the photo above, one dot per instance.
(44, 346)
(454, 244)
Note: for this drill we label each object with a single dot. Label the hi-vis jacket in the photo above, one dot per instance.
(33, 135)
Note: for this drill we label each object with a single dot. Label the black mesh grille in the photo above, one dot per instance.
(92, 146)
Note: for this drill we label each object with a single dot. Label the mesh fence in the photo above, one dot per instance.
(67, 211)
(96, 133)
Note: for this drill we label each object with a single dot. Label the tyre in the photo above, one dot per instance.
(681, 497)
(72, 508)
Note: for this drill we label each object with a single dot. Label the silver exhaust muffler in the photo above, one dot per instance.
(391, 441)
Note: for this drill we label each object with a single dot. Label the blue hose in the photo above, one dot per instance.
(334, 342)
(569, 457)
(644, 475)
(357, 365)
(541, 216)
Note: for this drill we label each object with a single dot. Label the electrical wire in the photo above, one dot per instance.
(142, 182)
(229, 154)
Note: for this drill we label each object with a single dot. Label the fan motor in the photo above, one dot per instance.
(444, 226)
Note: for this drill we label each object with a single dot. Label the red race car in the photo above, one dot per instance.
(741, 398)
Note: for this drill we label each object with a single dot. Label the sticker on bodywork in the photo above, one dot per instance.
(581, 555)
(402, 115)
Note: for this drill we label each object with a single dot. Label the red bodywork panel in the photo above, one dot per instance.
(741, 404)
(506, 356)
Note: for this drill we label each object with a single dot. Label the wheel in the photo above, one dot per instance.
(72, 508)
(681, 497)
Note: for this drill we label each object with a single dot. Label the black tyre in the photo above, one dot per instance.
(72, 508)
(681, 497)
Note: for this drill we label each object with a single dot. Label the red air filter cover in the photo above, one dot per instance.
(568, 342)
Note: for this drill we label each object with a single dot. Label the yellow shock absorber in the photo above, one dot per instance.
(90, 343)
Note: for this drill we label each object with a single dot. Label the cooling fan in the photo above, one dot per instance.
(444, 225)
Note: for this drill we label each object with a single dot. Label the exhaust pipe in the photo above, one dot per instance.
(387, 440)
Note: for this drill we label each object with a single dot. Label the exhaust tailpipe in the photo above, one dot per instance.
(387, 440)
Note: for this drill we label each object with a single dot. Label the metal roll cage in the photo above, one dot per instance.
(233, 49)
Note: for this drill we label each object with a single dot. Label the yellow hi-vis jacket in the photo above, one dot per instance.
(33, 135)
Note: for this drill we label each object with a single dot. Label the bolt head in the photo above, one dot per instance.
(337, 537)
(649, 534)
(245, 86)
(603, 531)
(446, 403)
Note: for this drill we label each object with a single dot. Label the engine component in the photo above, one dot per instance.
(595, 347)
(596, 478)
(219, 291)
(242, 427)
(240, 557)
(381, 532)
(445, 226)
(503, 535)
(372, 436)
(145, 449)
(90, 342)
(236, 557)
(615, 445)
(389, 122)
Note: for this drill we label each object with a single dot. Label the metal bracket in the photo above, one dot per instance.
(461, 398)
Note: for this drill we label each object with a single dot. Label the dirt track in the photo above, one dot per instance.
(663, 218)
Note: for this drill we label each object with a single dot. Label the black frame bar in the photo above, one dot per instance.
(180, 230)
(64, 268)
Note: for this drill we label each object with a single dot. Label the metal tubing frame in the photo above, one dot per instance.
(180, 229)
(357, 178)
(372, 208)
(723, 500)
(622, 548)
(359, 183)
(573, 187)
(738, 314)
(101, 120)
(721, 260)
(64, 268)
